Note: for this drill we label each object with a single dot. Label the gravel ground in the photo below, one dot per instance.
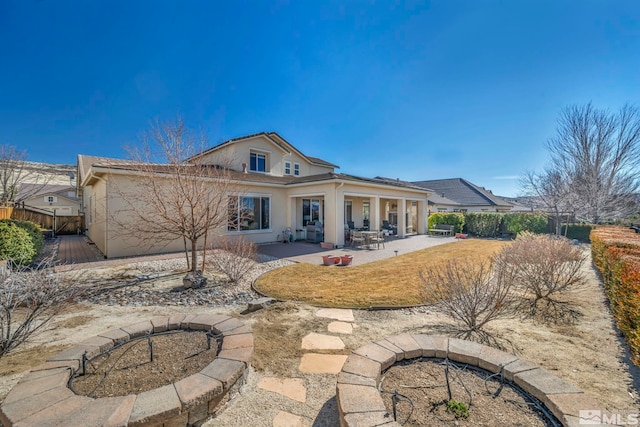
(155, 283)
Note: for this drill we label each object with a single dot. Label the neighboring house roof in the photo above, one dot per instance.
(275, 139)
(461, 192)
(29, 191)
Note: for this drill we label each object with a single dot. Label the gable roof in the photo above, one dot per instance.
(461, 192)
(275, 139)
(126, 165)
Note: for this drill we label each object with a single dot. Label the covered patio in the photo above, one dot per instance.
(312, 253)
(345, 201)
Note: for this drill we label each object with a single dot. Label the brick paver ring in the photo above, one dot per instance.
(360, 403)
(43, 398)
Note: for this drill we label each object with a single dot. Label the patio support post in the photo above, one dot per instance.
(422, 217)
(402, 217)
(338, 239)
(374, 223)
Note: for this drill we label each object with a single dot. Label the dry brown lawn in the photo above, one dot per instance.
(390, 283)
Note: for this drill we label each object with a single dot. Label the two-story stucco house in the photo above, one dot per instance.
(284, 188)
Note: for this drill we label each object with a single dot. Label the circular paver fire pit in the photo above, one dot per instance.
(43, 396)
(360, 402)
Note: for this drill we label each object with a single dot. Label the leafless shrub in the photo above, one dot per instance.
(234, 257)
(472, 293)
(545, 267)
(29, 298)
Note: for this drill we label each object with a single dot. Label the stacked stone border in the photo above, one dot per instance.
(360, 403)
(43, 398)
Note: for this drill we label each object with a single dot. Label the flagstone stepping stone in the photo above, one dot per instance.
(344, 314)
(315, 341)
(338, 327)
(285, 419)
(314, 363)
(293, 388)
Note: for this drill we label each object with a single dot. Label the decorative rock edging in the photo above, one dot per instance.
(43, 398)
(360, 403)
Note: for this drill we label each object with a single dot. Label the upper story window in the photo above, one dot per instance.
(258, 162)
(50, 199)
(296, 169)
(287, 168)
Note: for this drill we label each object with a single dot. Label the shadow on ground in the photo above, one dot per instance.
(328, 415)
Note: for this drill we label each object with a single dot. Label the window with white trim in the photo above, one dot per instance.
(248, 213)
(257, 162)
(50, 199)
(296, 169)
(287, 168)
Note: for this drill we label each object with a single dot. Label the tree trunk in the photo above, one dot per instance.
(194, 254)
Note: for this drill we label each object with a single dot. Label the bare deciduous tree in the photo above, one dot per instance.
(598, 153)
(177, 195)
(18, 179)
(552, 189)
(544, 267)
(28, 301)
(470, 292)
(234, 257)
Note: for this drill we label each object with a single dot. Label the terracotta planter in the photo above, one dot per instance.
(329, 259)
(336, 260)
(346, 259)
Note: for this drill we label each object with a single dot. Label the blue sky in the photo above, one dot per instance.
(413, 90)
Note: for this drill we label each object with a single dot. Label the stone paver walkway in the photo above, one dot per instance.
(312, 364)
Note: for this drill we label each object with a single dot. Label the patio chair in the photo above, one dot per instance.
(377, 239)
(351, 225)
(357, 238)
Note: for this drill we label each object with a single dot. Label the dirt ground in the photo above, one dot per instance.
(588, 354)
(417, 391)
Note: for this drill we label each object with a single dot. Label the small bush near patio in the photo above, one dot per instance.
(34, 232)
(516, 223)
(616, 253)
(234, 257)
(16, 244)
(455, 219)
(544, 267)
(483, 224)
(472, 293)
(391, 282)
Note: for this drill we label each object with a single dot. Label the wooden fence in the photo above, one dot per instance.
(5, 212)
(64, 224)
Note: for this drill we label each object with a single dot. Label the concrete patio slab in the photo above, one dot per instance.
(311, 253)
(293, 388)
(315, 341)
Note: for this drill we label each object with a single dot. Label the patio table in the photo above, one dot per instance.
(367, 237)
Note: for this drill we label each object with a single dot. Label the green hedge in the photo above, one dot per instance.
(483, 224)
(580, 232)
(16, 244)
(455, 219)
(516, 223)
